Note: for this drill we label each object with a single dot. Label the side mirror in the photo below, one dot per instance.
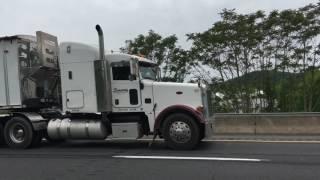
(159, 74)
(133, 69)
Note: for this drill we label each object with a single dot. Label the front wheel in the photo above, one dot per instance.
(180, 131)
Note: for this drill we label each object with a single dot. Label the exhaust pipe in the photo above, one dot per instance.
(101, 42)
(102, 74)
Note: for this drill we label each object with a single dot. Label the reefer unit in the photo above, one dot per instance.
(29, 71)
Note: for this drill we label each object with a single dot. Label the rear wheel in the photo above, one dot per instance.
(18, 133)
(1, 134)
(180, 131)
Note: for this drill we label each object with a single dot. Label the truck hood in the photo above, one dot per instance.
(167, 94)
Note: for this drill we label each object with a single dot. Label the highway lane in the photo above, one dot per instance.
(135, 160)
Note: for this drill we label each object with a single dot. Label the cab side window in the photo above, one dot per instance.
(120, 71)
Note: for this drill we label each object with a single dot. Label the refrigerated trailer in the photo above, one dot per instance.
(76, 91)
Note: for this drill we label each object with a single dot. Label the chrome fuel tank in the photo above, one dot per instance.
(76, 129)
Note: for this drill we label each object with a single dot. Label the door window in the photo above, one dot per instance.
(125, 87)
(121, 71)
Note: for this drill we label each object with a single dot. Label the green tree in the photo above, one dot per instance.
(271, 59)
(230, 48)
(164, 51)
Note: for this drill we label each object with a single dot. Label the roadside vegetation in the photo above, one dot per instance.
(256, 62)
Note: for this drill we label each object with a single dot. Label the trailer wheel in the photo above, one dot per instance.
(180, 131)
(18, 133)
(1, 134)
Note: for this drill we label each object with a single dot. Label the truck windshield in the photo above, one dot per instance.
(148, 71)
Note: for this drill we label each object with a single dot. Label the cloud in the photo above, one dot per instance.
(74, 20)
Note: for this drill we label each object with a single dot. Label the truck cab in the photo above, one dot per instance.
(120, 96)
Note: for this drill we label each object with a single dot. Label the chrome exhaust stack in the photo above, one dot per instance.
(103, 77)
(101, 42)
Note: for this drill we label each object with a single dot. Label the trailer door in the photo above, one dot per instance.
(9, 78)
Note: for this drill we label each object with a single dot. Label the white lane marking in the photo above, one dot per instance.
(262, 141)
(191, 158)
(251, 140)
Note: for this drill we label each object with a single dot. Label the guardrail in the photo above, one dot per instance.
(268, 123)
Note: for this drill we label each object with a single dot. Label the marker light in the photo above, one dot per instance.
(200, 109)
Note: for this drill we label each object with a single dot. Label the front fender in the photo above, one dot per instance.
(175, 109)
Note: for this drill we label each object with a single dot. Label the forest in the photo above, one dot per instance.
(255, 62)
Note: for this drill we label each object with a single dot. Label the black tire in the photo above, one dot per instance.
(27, 135)
(193, 137)
(1, 134)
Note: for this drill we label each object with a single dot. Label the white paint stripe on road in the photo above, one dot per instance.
(191, 158)
(262, 141)
(251, 140)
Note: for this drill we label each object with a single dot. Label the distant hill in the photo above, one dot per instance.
(258, 78)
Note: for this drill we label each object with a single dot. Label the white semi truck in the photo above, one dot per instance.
(75, 91)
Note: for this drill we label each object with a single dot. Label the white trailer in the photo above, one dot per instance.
(76, 91)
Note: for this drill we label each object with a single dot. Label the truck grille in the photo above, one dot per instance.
(207, 100)
(210, 99)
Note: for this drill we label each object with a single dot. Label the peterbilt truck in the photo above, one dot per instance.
(76, 91)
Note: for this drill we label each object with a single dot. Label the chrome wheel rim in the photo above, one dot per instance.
(17, 133)
(180, 132)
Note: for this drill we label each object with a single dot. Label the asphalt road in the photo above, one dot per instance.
(132, 160)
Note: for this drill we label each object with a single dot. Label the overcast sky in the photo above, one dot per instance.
(74, 20)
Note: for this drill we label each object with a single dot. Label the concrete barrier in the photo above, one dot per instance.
(244, 124)
(268, 123)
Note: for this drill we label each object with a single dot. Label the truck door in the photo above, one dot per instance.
(125, 85)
